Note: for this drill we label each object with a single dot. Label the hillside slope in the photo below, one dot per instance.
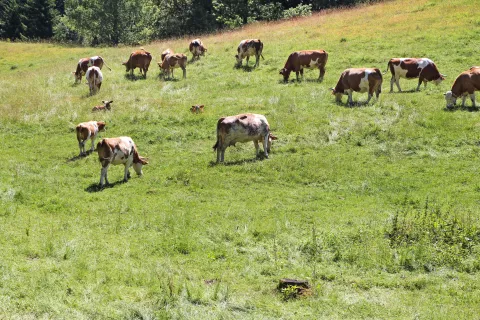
(375, 205)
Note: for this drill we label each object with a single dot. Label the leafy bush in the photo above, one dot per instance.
(302, 10)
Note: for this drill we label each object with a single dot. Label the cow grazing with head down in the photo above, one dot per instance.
(410, 68)
(197, 49)
(165, 53)
(247, 48)
(172, 61)
(243, 128)
(84, 63)
(310, 59)
(121, 150)
(94, 79)
(106, 106)
(88, 130)
(197, 108)
(465, 85)
(138, 59)
(358, 80)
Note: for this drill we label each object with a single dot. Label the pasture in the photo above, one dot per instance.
(377, 205)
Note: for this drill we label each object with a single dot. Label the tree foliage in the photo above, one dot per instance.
(93, 22)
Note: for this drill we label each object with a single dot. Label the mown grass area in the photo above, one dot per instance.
(376, 205)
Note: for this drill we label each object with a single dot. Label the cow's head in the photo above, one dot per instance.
(137, 166)
(450, 98)
(78, 76)
(101, 125)
(285, 73)
(107, 105)
(440, 79)
(271, 137)
(338, 95)
(203, 50)
(239, 60)
(197, 108)
(127, 65)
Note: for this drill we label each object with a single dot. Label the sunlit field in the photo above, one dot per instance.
(376, 206)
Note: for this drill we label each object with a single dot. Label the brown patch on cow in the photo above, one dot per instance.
(299, 60)
(138, 59)
(171, 61)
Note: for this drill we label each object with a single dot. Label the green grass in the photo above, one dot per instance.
(372, 204)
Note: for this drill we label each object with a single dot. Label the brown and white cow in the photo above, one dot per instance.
(84, 63)
(138, 59)
(410, 68)
(247, 48)
(106, 106)
(121, 150)
(466, 84)
(165, 53)
(88, 130)
(172, 61)
(197, 49)
(310, 59)
(94, 78)
(243, 128)
(358, 80)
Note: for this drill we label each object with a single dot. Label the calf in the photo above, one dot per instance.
(83, 65)
(310, 59)
(88, 130)
(358, 80)
(466, 84)
(172, 61)
(138, 59)
(243, 128)
(247, 48)
(197, 108)
(120, 150)
(197, 49)
(94, 79)
(165, 53)
(409, 68)
(106, 106)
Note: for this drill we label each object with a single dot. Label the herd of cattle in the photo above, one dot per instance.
(254, 127)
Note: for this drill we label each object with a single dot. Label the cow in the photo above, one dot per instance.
(106, 106)
(165, 53)
(243, 128)
(88, 130)
(197, 108)
(358, 80)
(84, 63)
(466, 84)
(247, 48)
(197, 49)
(172, 61)
(310, 59)
(121, 150)
(422, 68)
(94, 79)
(138, 59)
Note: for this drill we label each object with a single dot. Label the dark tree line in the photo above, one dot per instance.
(93, 22)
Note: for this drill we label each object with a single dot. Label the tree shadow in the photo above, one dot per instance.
(95, 187)
(78, 157)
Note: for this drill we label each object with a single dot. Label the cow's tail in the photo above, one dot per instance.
(388, 67)
(217, 144)
(106, 65)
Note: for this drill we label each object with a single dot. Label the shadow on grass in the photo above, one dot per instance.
(134, 77)
(95, 187)
(356, 104)
(78, 157)
(404, 91)
(460, 108)
(261, 157)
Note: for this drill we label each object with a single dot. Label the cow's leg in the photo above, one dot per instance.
(265, 144)
(350, 98)
(257, 148)
(420, 80)
(93, 144)
(222, 155)
(301, 73)
(369, 97)
(464, 98)
(103, 176)
(397, 82)
(425, 84)
(184, 73)
(393, 80)
(126, 174)
(257, 60)
(81, 145)
(472, 97)
(322, 73)
(297, 72)
(248, 57)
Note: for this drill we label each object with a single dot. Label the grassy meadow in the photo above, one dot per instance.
(377, 205)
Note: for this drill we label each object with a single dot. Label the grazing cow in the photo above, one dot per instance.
(310, 59)
(120, 150)
(466, 84)
(171, 61)
(165, 53)
(106, 106)
(247, 48)
(197, 108)
(138, 59)
(409, 68)
(94, 78)
(358, 80)
(88, 130)
(243, 128)
(197, 49)
(84, 63)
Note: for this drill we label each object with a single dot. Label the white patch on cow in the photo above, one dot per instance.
(120, 158)
(424, 62)
(313, 64)
(364, 85)
(399, 72)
